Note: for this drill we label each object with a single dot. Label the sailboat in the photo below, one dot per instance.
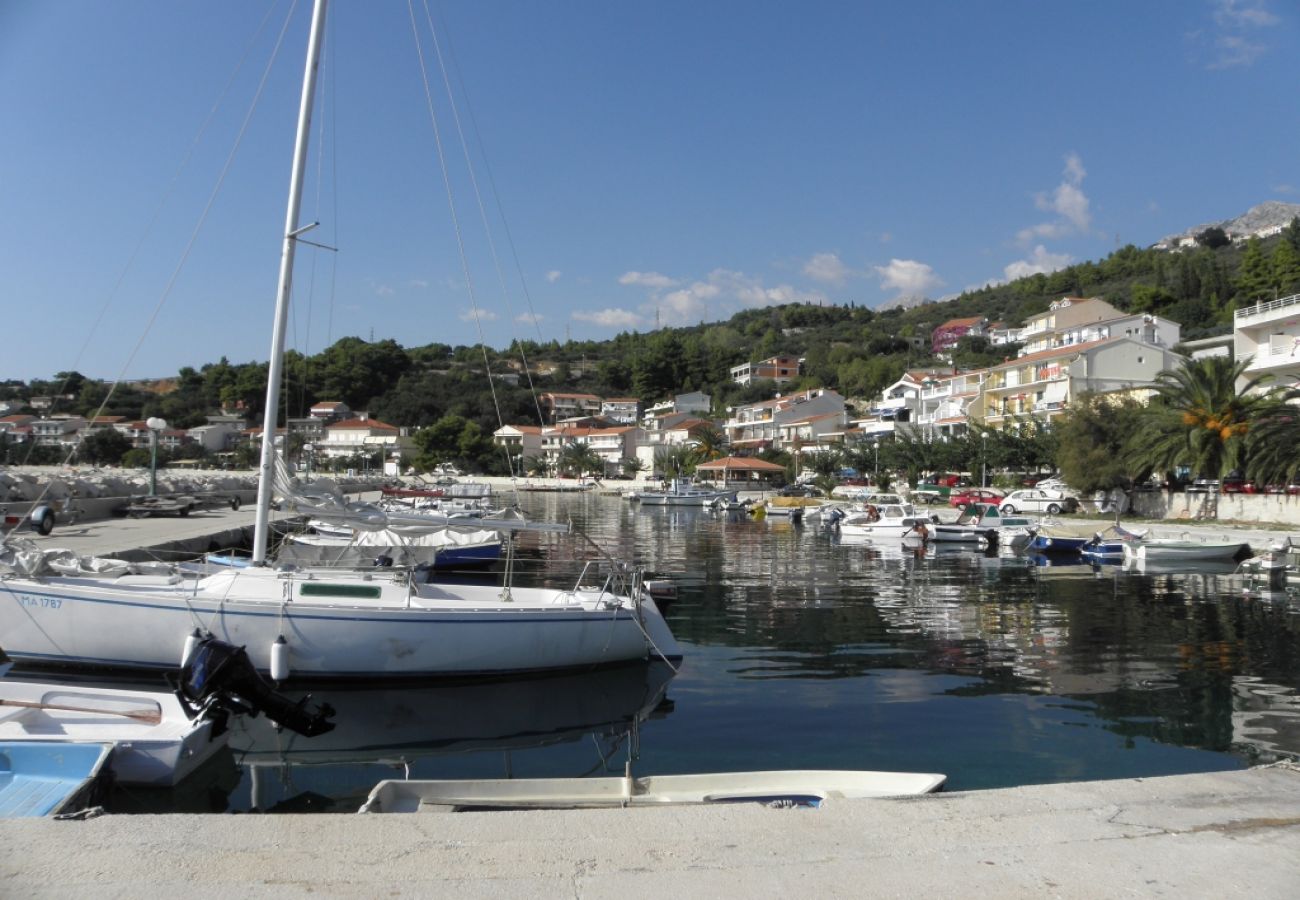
(369, 624)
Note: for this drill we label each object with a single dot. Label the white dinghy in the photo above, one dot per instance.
(798, 787)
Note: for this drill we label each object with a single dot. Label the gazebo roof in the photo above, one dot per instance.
(741, 463)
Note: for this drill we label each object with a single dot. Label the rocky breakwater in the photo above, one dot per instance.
(89, 493)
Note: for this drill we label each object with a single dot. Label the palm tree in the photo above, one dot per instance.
(1200, 419)
(632, 465)
(1273, 442)
(674, 461)
(709, 443)
(579, 459)
(537, 466)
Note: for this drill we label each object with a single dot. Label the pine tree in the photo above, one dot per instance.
(1286, 268)
(1254, 282)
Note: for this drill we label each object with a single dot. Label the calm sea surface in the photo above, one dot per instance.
(805, 651)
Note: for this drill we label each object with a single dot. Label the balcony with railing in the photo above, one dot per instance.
(1265, 312)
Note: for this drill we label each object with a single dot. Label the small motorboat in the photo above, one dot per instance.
(978, 525)
(886, 520)
(1185, 550)
(51, 778)
(157, 738)
(799, 787)
(1107, 546)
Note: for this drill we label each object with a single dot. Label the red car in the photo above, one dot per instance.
(965, 498)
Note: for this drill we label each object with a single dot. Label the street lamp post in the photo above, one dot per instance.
(984, 460)
(155, 425)
(875, 475)
(307, 449)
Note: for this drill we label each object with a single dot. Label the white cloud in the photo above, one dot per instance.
(610, 318)
(827, 267)
(1244, 14)
(529, 318)
(482, 315)
(1233, 44)
(1067, 201)
(418, 283)
(908, 276)
(647, 279)
(1040, 261)
(383, 290)
(553, 275)
(714, 297)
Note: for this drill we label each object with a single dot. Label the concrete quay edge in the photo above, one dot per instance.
(1222, 834)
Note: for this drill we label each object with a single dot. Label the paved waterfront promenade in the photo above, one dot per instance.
(1221, 835)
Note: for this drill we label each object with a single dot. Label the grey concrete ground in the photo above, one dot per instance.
(1222, 835)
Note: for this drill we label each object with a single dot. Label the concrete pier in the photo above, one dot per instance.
(1221, 835)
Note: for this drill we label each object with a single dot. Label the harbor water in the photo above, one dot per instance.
(803, 650)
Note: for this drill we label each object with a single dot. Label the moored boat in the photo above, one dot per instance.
(1186, 550)
(683, 492)
(776, 788)
(51, 778)
(977, 525)
(886, 520)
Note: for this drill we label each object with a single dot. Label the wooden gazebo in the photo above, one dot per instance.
(740, 468)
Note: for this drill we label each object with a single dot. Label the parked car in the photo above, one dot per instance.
(1054, 485)
(1291, 489)
(798, 490)
(929, 492)
(963, 499)
(1038, 501)
(1203, 485)
(1237, 483)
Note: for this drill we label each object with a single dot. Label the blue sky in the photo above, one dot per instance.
(636, 164)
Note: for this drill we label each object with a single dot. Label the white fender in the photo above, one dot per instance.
(280, 659)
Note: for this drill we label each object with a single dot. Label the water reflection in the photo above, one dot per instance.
(490, 729)
(804, 650)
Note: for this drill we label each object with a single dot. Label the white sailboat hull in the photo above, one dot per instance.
(795, 787)
(348, 625)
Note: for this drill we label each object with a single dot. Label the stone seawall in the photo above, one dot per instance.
(1280, 509)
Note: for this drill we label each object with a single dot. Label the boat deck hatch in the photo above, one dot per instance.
(351, 591)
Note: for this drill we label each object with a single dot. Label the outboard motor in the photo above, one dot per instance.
(219, 668)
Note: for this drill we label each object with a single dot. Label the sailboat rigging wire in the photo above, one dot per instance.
(478, 198)
(451, 202)
(505, 227)
(198, 227)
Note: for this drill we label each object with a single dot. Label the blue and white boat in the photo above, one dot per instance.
(50, 778)
(1055, 543)
(1107, 546)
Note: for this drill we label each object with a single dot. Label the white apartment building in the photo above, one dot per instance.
(1268, 334)
(758, 425)
(1043, 384)
(693, 402)
(623, 410)
(1073, 320)
(613, 445)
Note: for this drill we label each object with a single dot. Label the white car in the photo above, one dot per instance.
(1038, 501)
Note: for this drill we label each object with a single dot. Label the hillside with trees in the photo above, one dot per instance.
(853, 349)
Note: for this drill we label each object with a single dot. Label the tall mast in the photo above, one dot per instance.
(266, 482)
